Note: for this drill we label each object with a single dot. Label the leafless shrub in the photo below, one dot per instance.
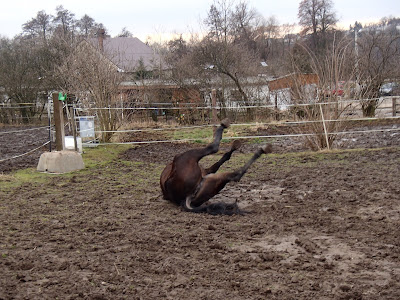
(87, 73)
(326, 112)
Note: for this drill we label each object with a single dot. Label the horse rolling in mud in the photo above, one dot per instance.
(185, 183)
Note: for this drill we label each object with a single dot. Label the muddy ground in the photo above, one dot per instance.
(320, 226)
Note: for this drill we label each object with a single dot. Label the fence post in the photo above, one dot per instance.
(394, 106)
(277, 118)
(73, 124)
(323, 122)
(59, 122)
(213, 105)
(49, 118)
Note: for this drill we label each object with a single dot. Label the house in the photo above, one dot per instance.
(285, 89)
(139, 65)
(129, 54)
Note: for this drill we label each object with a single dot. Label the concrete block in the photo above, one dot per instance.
(60, 162)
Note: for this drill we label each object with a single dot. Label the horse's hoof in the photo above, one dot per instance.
(266, 148)
(225, 123)
(236, 145)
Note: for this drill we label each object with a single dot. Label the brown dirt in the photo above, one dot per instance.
(322, 226)
(17, 140)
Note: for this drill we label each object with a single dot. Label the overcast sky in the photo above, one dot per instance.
(162, 17)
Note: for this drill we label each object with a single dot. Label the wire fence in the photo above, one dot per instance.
(25, 153)
(394, 130)
(384, 112)
(16, 143)
(349, 110)
(193, 114)
(271, 136)
(187, 113)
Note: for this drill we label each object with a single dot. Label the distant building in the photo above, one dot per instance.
(139, 63)
(129, 54)
(285, 89)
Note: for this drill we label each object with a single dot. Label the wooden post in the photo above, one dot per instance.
(214, 118)
(49, 117)
(325, 130)
(59, 122)
(73, 124)
(276, 107)
(394, 106)
(214, 106)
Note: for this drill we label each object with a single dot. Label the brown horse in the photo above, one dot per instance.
(186, 183)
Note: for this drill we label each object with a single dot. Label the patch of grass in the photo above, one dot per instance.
(199, 135)
(258, 141)
(205, 135)
(281, 161)
(92, 157)
(311, 159)
(102, 154)
(15, 179)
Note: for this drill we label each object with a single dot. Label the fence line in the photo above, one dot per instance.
(272, 106)
(248, 137)
(23, 130)
(17, 107)
(6, 105)
(350, 105)
(365, 131)
(26, 153)
(207, 139)
(210, 107)
(244, 124)
(177, 128)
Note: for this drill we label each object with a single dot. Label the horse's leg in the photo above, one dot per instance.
(237, 175)
(214, 146)
(214, 168)
(212, 184)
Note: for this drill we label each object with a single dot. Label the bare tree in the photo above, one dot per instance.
(218, 21)
(89, 75)
(62, 24)
(222, 52)
(243, 21)
(39, 26)
(29, 64)
(232, 61)
(265, 38)
(87, 26)
(317, 17)
(22, 77)
(125, 33)
(225, 58)
(377, 58)
(65, 21)
(323, 107)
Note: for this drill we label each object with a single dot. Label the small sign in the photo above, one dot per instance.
(62, 97)
(86, 127)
